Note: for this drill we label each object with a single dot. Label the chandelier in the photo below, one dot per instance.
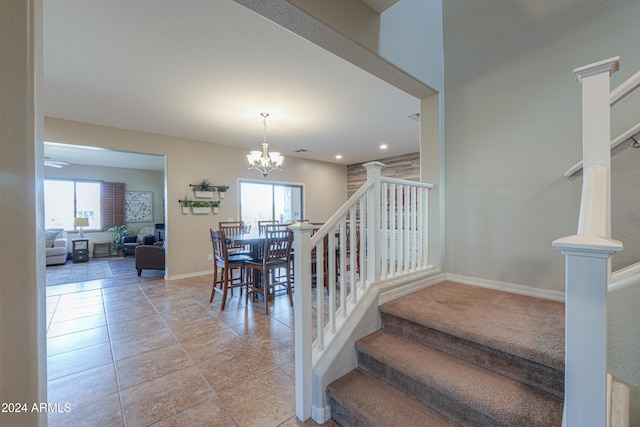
(264, 161)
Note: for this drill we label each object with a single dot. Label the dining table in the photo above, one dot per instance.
(254, 240)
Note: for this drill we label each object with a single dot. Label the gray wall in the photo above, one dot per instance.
(512, 131)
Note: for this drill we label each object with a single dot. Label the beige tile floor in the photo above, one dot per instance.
(145, 351)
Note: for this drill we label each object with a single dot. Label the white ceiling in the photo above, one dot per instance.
(205, 70)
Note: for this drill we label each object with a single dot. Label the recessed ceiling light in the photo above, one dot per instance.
(338, 156)
(383, 146)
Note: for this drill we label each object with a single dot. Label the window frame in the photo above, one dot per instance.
(273, 184)
(111, 195)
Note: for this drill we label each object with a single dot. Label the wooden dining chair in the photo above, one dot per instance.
(276, 255)
(232, 228)
(276, 227)
(314, 264)
(224, 279)
(262, 225)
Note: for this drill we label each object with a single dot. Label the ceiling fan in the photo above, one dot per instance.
(54, 163)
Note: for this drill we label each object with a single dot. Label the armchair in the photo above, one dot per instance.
(130, 243)
(150, 257)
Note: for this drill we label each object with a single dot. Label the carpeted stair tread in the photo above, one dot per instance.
(526, 327)
(464, 391)
(359, 399)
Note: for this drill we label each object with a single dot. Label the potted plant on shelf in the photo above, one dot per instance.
(216, 206)
(204, 189)
(200, 207)
(222, 189)
(186, 204)
(116, 238)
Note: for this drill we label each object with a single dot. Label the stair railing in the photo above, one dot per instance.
(381, 232)
(624, 136)
(588, 254)
(616, 95)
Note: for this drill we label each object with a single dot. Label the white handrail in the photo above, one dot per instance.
(380, 233)
(405, 182)
(341, 212)
(614, 143)
(624, 89)
(624, 273)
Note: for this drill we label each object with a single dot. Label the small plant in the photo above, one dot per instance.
(186, 202)
(116, 238)
(215, 203)
(222, 189)
(199, 204)
(204, 185)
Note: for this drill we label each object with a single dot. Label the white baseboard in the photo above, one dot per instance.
(321, 414)
(186, 276)
(507, 287)
(435, 276)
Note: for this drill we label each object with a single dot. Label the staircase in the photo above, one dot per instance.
(454, 354)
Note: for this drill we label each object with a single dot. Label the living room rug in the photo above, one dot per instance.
(93, 269)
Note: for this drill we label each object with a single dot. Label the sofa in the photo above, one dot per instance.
(144, 237)
(56, 246)
(150, 257)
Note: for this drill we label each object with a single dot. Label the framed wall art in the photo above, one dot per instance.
(138, 206)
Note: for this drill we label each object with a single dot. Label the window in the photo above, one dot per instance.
(65, 200)
(261, 201)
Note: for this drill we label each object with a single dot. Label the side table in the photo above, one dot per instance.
(102, 249)
(80, 250)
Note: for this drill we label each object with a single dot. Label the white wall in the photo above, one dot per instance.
(510, 135)
(188, 162)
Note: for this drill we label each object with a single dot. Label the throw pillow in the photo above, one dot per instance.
(51, 237)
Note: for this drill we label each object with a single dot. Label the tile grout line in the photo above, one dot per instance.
(191, 360)
(113, 359)
(189, 291)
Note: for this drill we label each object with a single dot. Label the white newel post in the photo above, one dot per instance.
(587, 277)
(374, 230)
(302, 316)
(587, 259)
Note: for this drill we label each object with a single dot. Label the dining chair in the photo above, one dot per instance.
(276, 255)
(228, 264)
(232, 228)
(262, 225)
(314, 266)
(276, 227)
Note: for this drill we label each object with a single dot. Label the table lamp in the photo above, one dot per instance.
(81, 222)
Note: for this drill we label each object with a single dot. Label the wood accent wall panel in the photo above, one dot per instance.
(406, 166)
